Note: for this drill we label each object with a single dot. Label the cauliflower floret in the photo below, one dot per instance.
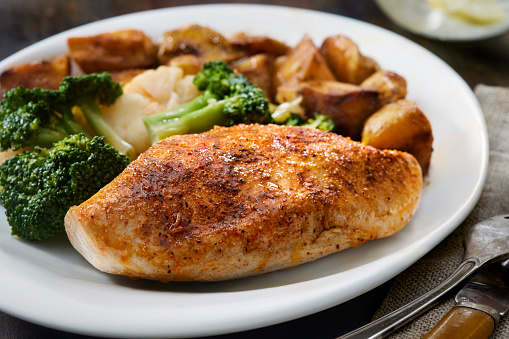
(157, 84)
(150, 92)
(186, 89)
(125, 116)
(174, 101)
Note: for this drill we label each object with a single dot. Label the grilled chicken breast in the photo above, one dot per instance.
(243, 200)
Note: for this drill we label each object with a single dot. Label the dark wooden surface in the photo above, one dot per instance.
(23, 22)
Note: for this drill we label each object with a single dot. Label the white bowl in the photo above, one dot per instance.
(417, 17)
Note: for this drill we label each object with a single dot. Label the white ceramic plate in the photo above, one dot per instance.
(50, 284)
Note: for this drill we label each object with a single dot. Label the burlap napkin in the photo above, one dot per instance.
(442, 260)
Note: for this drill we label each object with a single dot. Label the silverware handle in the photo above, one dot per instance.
(463, 322)
(394, 320)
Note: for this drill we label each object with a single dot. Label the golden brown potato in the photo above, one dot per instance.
(42, 73)
(202, 42)
(346, 61)
(258, 69)
(123, 77)
(258, 44)
(114, 51)
(401, 125)
(303, 63)
(5, 155)
(189, 63)
(346, 104)
(390, 86)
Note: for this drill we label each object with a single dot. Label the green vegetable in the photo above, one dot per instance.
(227, 99)
(320, 121)
(290, 114)
(281, 113)
(37, 188)
(34, 117)
(88, 92)
(41, 117)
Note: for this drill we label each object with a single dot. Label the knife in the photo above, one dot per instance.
(486, 243)
(480, 304)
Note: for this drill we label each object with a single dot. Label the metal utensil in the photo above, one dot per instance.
(485, 243)
(479, 305)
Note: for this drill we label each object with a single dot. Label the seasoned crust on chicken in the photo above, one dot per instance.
(243, 200)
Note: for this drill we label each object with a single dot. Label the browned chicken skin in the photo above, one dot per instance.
(243, 200)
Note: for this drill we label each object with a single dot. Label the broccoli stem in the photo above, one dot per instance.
(193, 105)
(94, 117)
(47, 137)
(68, 123)
(186, 121)
(316, 122)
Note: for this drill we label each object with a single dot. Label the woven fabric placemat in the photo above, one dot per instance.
(439, 263)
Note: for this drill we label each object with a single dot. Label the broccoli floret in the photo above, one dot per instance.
(34, 117)
(227, 99)
(294, 120)
(88, 92)
(320, 121)
(37, 188)
(214, 78)
(40, 117)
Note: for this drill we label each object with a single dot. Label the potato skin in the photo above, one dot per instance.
(345, 60)
(124, 76)
(189, 63)
(389, 85)
(401, 126)
(41, 73)
(303, 63)
(258, 44)
(203, 42)
(259, 70)
(114, 51)
(346, 104)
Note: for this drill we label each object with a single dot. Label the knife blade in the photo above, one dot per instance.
(480, 304)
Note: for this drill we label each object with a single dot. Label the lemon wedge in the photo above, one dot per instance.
(482, 12)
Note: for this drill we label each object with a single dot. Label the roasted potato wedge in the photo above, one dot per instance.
(346, 104)
(189, 63)
(123, 77)
(389, 85)
(401, 125)
(115, 51)
(345, 60)
(200, 41)
(258, 44)
(258, 69)
(302, 63)
(42, 73)
(5, 155)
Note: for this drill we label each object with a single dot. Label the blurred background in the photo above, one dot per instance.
(24, 22)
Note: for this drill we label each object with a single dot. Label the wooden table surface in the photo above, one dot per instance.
(23, 22)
